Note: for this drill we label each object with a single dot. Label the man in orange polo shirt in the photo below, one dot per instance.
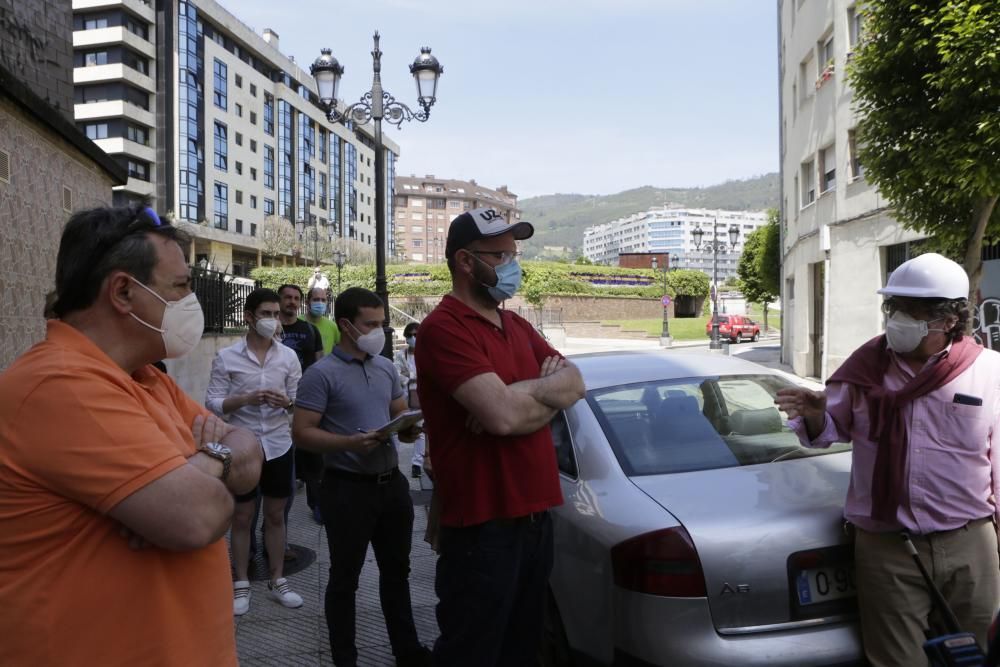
(115, 487)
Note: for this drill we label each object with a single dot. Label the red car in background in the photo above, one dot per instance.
(737, 328)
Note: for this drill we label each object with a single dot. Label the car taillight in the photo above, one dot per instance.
(663, 562)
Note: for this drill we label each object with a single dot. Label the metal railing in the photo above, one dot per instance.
(541, 317)
(222, 297)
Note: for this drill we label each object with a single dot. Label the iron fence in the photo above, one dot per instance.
(222, 297)
(541, 317)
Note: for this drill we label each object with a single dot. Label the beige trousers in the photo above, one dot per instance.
(895, 603)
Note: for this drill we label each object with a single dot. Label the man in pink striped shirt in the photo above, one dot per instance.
(921, 405)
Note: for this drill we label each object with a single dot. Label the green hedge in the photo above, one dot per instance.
(540, 279)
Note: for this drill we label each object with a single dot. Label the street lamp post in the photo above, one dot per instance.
(715, 246)
(339, 258)
(377, 105)
(310, 221)
(665, 339)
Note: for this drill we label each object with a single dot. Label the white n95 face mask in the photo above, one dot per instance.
(904, 333)
(266, 327)
(182, 326)
(371, 342)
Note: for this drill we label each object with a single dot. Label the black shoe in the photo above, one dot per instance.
(416, 472)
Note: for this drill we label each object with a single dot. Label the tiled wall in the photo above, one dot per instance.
(31, 220)
(36, 47)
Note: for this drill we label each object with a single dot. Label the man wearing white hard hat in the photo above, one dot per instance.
(920, 404)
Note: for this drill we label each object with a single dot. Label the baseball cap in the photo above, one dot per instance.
(482, 223)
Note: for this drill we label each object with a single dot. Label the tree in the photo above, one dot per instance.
(925, 84)
(759, 268)
(277, 237)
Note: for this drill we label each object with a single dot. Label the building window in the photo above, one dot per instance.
(808, 183)
(807, 77)
(268, 167)
(221, 94)
(454, 203)
(268, 206)
(322, 145)
(253, 117)
(221, 147)
(239, 109)
(253, 90)
(253, 145)
(418, 243)
(268, 114)
(137, 28)
(239, 138)
(322, 189)
(96, 130)
(139, 170)
(855, 27)
(828, 177)
(436, 203)
(826, 53)
(238, 80)
(239, 168)
(95, 24)
(138, 134)
(253, 173)
(253, 201)
(221, 205)
(239, 226)
(95, 58)
(239, 196)
(253, 229)
(857, 171)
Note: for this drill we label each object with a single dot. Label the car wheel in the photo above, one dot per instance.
(555, 648)
(756, 336)
(739, 337)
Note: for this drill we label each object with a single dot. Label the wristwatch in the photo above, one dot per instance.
(220, 452)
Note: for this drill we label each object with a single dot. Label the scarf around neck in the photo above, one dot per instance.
(866, 368)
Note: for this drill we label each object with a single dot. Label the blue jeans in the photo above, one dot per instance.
(492, 581)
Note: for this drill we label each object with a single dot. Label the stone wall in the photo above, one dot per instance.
(36, 47)
(32, 216)
(598, 308)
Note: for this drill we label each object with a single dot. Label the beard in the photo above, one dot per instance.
(481, 285)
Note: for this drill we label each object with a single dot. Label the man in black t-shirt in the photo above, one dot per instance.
(301, 336)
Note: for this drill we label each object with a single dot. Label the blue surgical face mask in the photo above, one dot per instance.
(317, 308)
(411, 341)
(508, 280)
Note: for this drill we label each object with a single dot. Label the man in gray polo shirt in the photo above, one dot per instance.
(363, 498)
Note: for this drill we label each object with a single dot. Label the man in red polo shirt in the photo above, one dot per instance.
(489, 385)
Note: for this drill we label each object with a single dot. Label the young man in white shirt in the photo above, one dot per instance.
(253, 385)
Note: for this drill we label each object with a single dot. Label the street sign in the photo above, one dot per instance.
(665, 300)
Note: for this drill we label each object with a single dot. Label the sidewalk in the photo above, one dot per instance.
(270, 635)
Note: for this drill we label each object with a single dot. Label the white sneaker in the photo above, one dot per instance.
(241, 597)
(280, 592)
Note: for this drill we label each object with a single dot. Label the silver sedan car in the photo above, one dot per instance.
(696, 530)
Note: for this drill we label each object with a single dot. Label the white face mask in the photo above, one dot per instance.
(266, 327)
(182, 326)
(904, 333)
(371, 342)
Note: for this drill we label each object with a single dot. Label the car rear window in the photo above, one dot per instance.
(723, 319)
(698, 424)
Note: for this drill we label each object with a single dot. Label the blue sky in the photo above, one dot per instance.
(546, 96)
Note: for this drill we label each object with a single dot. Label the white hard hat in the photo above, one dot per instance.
(929, 276)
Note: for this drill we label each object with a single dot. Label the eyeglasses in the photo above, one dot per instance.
(505, 256)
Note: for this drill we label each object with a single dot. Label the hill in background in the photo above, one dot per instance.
(560, 219)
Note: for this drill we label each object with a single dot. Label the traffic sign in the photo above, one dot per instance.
(665, 300)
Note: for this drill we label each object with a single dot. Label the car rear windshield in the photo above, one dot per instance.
(698, 424)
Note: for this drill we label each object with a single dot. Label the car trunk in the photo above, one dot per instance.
(763, 533)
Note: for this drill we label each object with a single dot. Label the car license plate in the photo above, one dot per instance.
(823, 584)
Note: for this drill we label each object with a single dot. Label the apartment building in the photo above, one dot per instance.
(839, 239)
(424, 207)
(671, 231)
(219, 127)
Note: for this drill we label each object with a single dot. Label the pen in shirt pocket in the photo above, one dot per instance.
(965, 399)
